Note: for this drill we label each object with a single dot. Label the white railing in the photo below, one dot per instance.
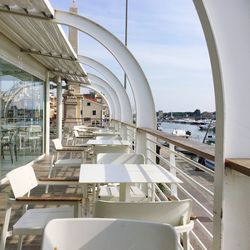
(197, 179)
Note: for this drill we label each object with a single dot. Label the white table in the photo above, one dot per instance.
(108, 142)
(125, 174)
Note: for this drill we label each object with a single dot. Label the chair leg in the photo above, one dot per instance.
(49, 176)
(186, 241)
(20, 242)
(15, 149)
(5, 232)
(2, 151)
(11, 156)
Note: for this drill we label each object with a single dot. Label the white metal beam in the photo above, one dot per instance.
(145, 108)
(226, 26)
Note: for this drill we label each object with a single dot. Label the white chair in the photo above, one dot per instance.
(56, 162)
(111, 192)
(175, 213)
(81, 139)
(22, 180)
(107, 234)
(34, 136)
(111, 149)
(122, 158)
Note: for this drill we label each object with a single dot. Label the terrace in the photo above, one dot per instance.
(29, 65)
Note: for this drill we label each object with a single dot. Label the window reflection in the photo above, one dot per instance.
(21, 112)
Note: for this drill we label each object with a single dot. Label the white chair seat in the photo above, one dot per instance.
(68, 163)
(36, 219)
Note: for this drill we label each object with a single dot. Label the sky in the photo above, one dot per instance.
(167, 40)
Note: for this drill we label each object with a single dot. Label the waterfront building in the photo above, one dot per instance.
(34, 52)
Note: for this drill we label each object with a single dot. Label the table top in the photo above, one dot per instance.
(125, 173)
(89, 128)
(106, 133)
(108, 142)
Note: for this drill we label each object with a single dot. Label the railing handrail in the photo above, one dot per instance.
(125, 123)
(197, 148)
(241, 165)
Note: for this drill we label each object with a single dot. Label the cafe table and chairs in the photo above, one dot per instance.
(126, 175)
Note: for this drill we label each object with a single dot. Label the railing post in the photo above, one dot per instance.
(124, 134)
(158, 151)
(141, 148)
(116, 125)
(172, 169)
(141, 143)
(150, 145)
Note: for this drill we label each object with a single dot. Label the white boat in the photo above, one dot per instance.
(181, 133)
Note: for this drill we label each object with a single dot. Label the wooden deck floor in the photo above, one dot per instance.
(41, 169)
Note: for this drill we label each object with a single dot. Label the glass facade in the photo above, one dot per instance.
(22, 117)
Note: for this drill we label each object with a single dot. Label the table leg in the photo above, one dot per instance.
(124, 192)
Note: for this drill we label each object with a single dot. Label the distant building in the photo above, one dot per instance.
(160, 115)
(93, 109)
(52, 106)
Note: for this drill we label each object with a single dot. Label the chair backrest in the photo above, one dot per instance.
(121, 158)
(175, 213)
(35, 129)
(111, 149)
(108, 137)
(22, 180)
(107, 234)
(75, 133)
(57, 144)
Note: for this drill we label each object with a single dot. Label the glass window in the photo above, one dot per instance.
(88, 104)
(22, 117)
(94, 112)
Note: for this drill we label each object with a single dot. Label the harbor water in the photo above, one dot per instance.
(196, 133)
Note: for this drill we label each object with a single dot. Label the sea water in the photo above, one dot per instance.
(196, 133)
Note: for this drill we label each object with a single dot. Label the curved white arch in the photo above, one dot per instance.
(95, 80)
(101, 90)
(114, 82)
(139, 83)
(226, 26)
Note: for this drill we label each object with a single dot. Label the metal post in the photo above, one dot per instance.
(47, 113)
(172, 169)
(59, 109)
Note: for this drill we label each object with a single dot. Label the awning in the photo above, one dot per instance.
(43, 40)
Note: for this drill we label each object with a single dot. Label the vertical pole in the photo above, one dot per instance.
(158, 151)
(47, 114)
(124, 131)
(126, 38)
(141, 148)
(59, 109)
(172, 169)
